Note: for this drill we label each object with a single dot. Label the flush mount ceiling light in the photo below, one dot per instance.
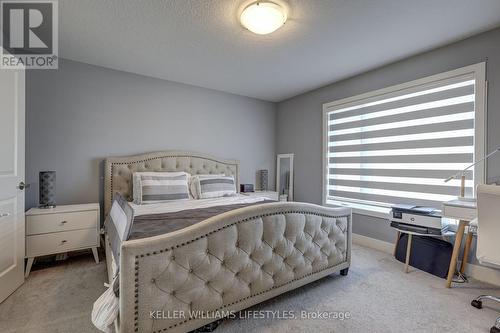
(263, 17)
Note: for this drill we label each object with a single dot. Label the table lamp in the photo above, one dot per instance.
(47, 189)
(461, 175)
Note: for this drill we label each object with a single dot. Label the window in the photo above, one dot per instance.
(397, 145)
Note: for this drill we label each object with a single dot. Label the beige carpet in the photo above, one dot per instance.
(377, 294)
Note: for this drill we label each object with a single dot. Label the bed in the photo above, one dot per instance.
(184, 279)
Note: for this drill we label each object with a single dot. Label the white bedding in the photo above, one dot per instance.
(179, 205)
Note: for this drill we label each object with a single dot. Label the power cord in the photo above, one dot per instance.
(460, 278)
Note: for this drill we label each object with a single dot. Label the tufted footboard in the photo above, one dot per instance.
(185, 279)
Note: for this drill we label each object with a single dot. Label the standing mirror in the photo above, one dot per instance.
(284, 176)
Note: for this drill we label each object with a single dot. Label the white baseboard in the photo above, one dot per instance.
(483, 273)
(373, 243)
(478, 272)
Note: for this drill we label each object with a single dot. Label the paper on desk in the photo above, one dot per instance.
(461, 203)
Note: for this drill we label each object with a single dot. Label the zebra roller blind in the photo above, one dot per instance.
(397, 147)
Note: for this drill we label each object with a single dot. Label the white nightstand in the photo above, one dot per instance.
(271, 195)
(61, 229)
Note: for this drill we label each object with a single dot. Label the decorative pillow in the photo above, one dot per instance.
(151, 187)
(212, 186)
(194, 184)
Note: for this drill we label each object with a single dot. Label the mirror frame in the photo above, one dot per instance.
(278, 164)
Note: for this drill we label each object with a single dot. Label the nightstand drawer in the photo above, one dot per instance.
(42, 224)
(37, 245)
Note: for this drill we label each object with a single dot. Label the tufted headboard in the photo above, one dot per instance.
(118, 170)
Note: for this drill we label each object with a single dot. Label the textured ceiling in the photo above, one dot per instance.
(201, 42)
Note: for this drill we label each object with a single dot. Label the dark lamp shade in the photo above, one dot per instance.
(263, 179)
(47, 184)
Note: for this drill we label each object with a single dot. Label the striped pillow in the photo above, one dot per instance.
(213, 186)
(151, 187)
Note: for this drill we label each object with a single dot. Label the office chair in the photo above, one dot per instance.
(488, 231)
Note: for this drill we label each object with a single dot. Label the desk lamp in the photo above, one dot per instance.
(461, 175)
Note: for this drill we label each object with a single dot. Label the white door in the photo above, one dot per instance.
(11, 181)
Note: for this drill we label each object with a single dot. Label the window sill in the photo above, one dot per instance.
(362, 209)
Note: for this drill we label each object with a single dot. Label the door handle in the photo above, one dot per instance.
(23, 186)
(4, 215)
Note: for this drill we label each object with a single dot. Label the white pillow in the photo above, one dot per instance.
(151, 187)
(212, 186)
(194, 184)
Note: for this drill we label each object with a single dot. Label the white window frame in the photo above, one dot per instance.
(382, 210)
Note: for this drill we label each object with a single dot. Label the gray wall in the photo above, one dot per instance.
(80, 114)
(299, 124)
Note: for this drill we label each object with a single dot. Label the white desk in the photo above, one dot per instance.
(460, 210)
(464, 211)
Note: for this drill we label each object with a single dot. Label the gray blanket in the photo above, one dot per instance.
(143, 226)
(158, 224)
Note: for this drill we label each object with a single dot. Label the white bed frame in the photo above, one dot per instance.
(224, 264)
